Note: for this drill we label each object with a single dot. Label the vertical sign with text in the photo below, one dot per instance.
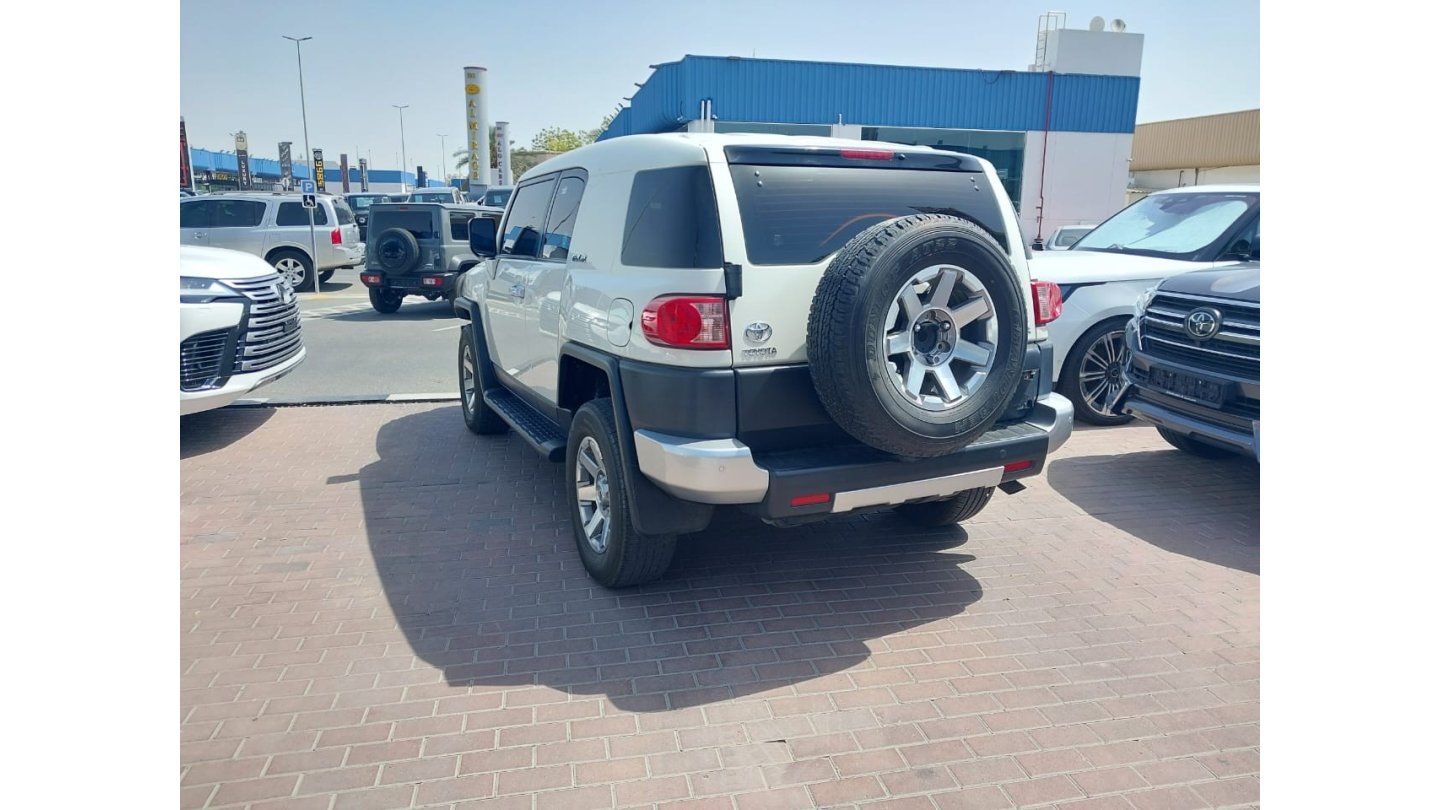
(344, 173)
(477, 126)
(319, 169)
(364, 174)
(287, 168)
(242, 161)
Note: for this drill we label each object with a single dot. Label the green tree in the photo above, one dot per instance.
(462, 155)
(558, 139)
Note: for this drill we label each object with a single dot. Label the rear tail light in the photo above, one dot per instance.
(1046, 297)
(866, 154)
(335, 237)
(369, 278)
(432, 282)
(687, 322)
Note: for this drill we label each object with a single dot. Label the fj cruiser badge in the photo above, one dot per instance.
(758, 332)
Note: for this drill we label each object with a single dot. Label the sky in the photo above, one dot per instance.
(568, 64)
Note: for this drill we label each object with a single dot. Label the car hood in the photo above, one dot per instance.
(1092, 266)
(1240, 282)
(206, 262)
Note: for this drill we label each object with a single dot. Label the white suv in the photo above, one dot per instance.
(239, 327)
(276, 227)
(797, 327)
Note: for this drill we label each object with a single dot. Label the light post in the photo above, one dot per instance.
(444, 167)
(401, 108)
(305, 125)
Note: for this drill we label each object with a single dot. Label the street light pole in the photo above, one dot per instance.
(403, 158)
(305, 125)
(444, 171)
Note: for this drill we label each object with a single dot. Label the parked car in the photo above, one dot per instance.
(360, 204)
(416, 249)
(1063, 237)
(1164, 234)
(436, 195)
(185, 192)
(689, 321)
(496, 197)
(1194, 366)
(276, 227)
(239, 327)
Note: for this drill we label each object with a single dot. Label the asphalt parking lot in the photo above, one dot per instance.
(381, 610)
(354, 351)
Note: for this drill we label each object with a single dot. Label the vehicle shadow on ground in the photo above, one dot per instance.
(1205, 509)
(208, 431)
(473, 548)
(418, 310)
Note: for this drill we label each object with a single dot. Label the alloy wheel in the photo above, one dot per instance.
(592, 494)
(291, 270)
(939, 338)
(1100, 370)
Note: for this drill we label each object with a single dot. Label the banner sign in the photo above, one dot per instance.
(364, 175)
(287, 169)
(187, 174)
(344, 173)
(502, 138)
(420, 180)
(477, 125)
(319, 167)
(242, 160)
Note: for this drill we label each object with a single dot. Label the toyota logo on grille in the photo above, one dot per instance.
(1203, 323)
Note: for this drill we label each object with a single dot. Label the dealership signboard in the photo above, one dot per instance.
(364, 175)
(477, 125)
(287, 169)
(344, 173)
(319, 167)
(242, 160)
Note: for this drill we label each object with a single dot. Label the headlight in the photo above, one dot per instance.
(1144, 301)
(203, 290)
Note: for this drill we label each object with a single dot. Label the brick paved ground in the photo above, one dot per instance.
(381, 610)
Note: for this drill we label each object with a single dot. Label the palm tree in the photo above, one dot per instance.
(462, 155)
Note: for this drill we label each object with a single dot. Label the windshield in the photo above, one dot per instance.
(360, 202)
(1069, 236)
(497, 197)
(432, 196)
(1170, 225)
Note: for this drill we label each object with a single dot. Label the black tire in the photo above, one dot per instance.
(396, 250)
(628, 557)
(478, 416)
(1195, 448)
(949, 511)
(385, 301)
(325, 275)
(1070, 384)
(849, 319)
(286, 262)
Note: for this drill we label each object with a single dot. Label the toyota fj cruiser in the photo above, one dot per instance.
(798, 327)
(415, 249)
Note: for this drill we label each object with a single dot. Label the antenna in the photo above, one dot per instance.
(1097, 23)
(1117, 25)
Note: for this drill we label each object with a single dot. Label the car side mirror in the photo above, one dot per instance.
(482, 237)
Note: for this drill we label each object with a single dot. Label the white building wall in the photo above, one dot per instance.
(1085, 178)
(1078, 50)
(1159, 179)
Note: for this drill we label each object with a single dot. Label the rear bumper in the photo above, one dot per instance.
(726, 471)
(414, 284)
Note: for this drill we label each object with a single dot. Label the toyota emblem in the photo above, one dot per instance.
(758, 332)
(1203, 323)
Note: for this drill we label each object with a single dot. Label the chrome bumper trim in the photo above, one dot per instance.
(913, 490)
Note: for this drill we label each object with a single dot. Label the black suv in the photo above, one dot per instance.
(1194, 369)
(360, 203)
(416, 249)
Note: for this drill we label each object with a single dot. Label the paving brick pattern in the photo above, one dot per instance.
(380, 610)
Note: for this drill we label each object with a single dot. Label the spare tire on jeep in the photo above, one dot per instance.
(917, 334)
(397, 250)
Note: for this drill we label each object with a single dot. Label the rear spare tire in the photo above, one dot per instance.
(916, 337)
(396, 250)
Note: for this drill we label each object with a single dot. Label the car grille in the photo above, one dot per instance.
(272, 333)
(1233, 351)
(201, 360)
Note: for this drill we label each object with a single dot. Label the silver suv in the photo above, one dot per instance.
(276, 227)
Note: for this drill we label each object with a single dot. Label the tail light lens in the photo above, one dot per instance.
(1046, 297)
(335, 237)
(687, 322)
(866, 154)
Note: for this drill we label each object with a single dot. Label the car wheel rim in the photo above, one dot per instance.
(939, 338)
(1100, 371)
(292, 271)
(467, 379)
(592, 494)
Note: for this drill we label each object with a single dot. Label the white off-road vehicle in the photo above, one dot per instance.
(798, 327)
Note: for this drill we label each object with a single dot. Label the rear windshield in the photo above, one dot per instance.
(343, 214)
(420, 223)
(497, 197)
(432, 196)
(801, 214)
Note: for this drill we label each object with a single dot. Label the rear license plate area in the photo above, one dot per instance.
(1188, 386)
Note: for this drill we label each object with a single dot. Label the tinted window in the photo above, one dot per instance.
(343, 214)
(293, 213)
(1173, 226)
(562, 218)
(460, 225)
(497, 197)
(420, 223)
(801, 214)
(527, 219)
(433, 196)
(237, 214)
(671, 220)
(196, 214)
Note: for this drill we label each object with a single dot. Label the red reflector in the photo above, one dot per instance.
(810, 500)
(370, 278)
(687, 322)
(1016, 466)
(335, 237)
(1045, 295)
(867, 154)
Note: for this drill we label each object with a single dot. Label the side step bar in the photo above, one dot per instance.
(542, 434)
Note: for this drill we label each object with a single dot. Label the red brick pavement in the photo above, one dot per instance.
(381, 610)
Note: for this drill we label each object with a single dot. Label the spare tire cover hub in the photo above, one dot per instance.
(939, 337)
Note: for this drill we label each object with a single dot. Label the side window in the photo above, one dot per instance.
(460, 225)
(343, 214)
(237, 214)
(196, 214)
(562, 218)
(671, 220)
(527, 220)
(293, 213)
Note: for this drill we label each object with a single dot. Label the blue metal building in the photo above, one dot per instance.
(222, 168)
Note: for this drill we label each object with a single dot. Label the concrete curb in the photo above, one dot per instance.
(343, 399)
